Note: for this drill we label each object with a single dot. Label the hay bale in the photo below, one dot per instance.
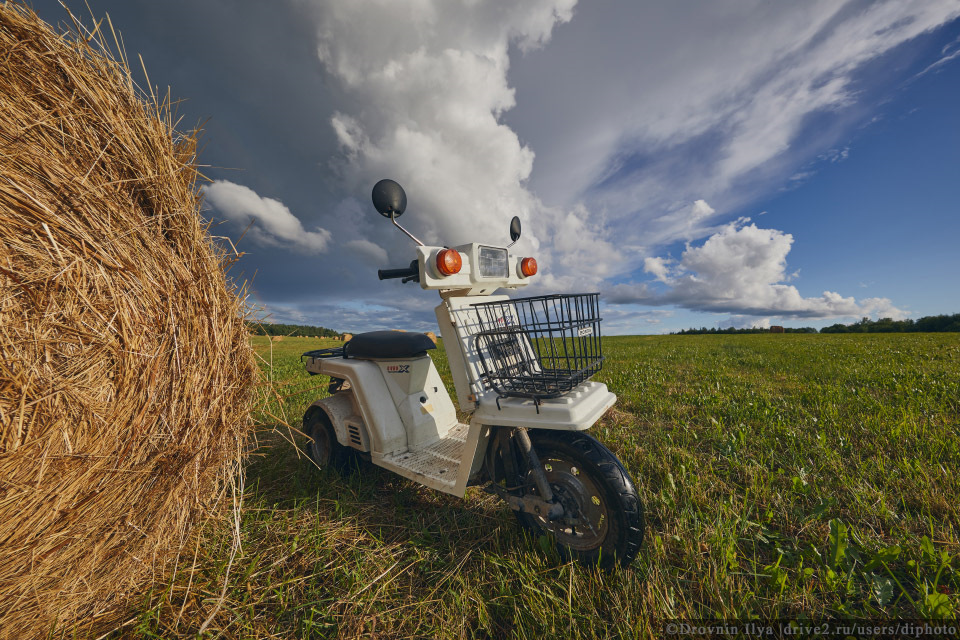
(432, 336)
(126, 376)
(347, 337)
(277, 338)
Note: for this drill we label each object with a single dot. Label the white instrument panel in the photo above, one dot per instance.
(484, 269)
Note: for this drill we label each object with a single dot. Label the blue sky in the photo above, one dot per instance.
(699, 163)
(878, 213)
(887, 215)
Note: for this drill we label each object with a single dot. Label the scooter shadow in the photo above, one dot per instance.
(280, 475)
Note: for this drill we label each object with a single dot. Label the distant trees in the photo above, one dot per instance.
(926, 324)
(269, 329)
(705, 330)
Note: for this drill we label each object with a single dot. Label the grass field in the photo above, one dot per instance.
(784, 476)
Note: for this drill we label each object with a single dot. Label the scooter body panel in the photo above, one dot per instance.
(403, 414)
(374, 403)
(420, 398)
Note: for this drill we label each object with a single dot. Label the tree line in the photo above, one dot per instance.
(926, 324)
(703, 330)
(297, 330)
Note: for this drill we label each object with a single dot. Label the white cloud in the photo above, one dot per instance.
(937, 66)
(626, 321)
(432, 97)
(744, 322)
(369, 250)
(835, 155)
(700, 210)
(742, 270)
(427, 83)
(581, 243)
(425, 98)
(708, 119)
(274, 225)
(657, 267)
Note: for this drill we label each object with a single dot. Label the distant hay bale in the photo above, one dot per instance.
(277, 338)
(126, 376)
(347, 337)
(432, 336)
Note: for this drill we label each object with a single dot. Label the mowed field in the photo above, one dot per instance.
(783, 476)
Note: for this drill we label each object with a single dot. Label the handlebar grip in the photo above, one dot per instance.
(387, 274)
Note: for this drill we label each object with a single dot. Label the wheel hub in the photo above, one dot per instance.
(583, 524)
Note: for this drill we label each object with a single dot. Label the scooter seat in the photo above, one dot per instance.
(388, 344)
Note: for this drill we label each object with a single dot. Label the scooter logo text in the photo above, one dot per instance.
(398, 368)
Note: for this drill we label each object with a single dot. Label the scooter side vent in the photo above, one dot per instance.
(357, 437)
(540, 347)
(354, 433)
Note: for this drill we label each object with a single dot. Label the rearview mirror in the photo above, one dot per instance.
(389, 198)
(514, 230)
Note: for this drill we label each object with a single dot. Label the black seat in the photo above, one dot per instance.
(388, 344)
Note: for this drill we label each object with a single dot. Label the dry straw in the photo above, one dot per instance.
(126, 375)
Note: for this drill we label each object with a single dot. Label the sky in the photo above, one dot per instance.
(700, 163)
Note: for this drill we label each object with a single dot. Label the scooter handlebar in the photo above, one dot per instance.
(387, 274)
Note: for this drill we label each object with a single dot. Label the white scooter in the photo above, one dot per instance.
(521, 368)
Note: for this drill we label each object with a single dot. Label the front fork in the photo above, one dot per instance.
(507, 444)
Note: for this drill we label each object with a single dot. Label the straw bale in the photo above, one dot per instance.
(126, 374)
(277, 338)
(432, 336)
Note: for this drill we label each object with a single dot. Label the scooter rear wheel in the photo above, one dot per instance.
(602, 524)
(322, 445)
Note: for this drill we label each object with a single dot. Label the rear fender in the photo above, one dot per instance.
(339, 407)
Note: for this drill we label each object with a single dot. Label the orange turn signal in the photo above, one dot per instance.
(528, 267)
(449, 262)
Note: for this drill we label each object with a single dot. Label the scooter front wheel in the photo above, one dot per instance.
(602, 522)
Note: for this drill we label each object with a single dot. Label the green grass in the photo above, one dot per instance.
(784, 476)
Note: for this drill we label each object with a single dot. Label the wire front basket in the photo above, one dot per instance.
(540, 347)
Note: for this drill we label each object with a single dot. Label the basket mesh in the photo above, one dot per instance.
(540, 347)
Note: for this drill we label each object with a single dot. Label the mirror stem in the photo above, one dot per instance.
(393, 219)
